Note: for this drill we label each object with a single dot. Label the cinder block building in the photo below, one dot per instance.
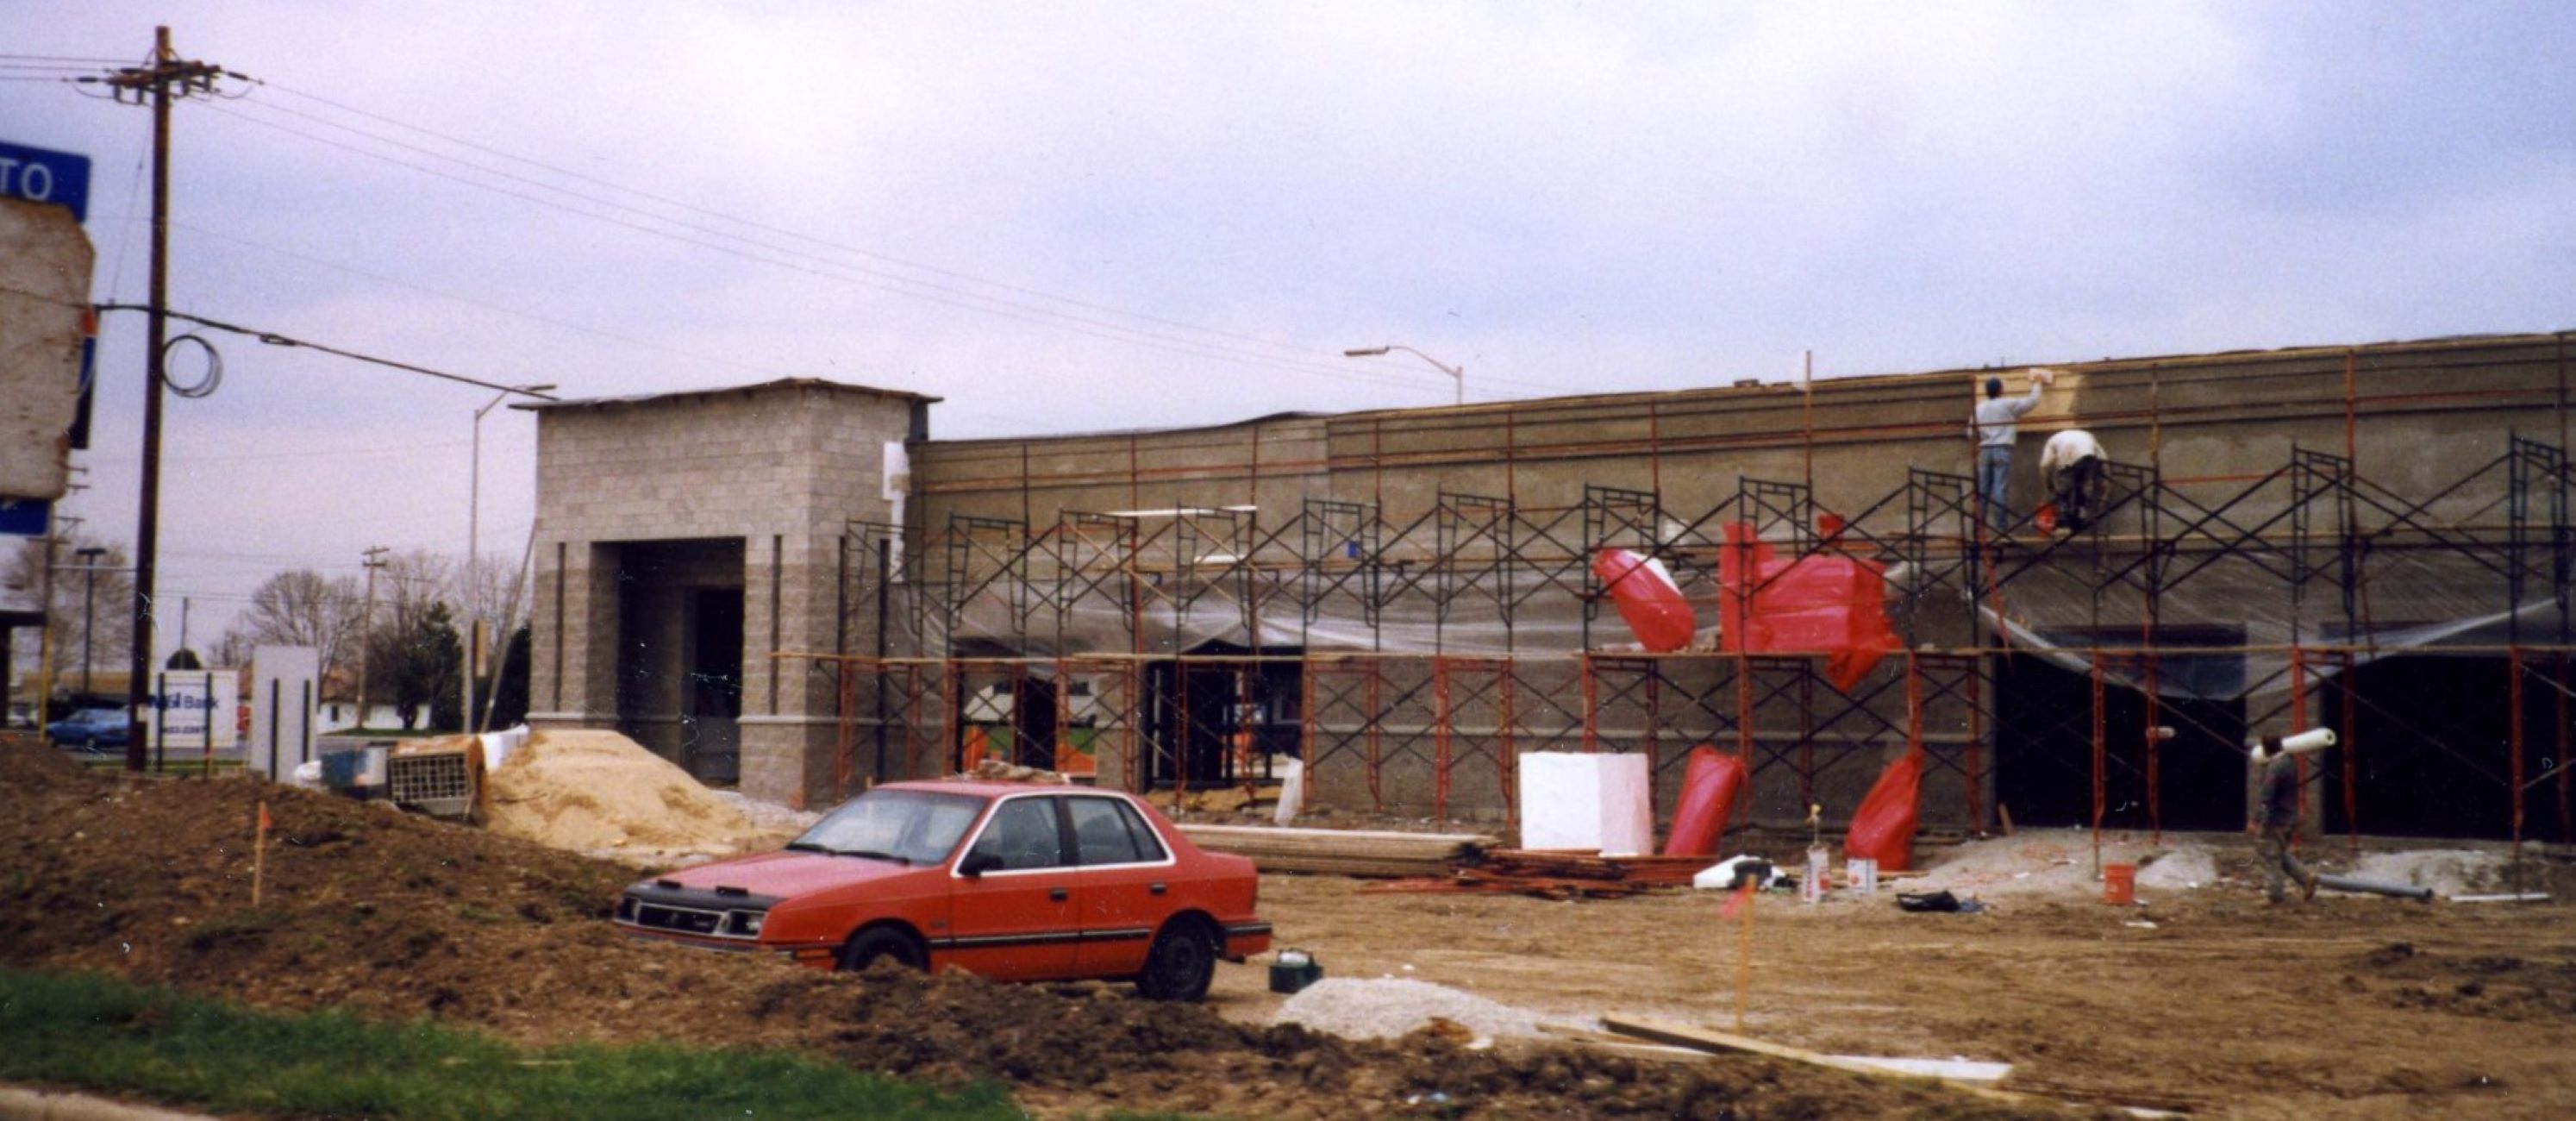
(1405, 598)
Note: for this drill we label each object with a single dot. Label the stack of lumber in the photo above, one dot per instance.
(1345, 852)
(1554, 874)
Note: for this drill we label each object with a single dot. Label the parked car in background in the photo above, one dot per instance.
(91, 729)
(1014, 881)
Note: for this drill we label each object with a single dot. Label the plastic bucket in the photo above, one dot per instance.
(2119, 884)
(1863, 873)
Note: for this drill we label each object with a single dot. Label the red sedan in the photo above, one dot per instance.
(1009, 880)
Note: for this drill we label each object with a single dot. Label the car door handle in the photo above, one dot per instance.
(1159, 889)
(1055, 894)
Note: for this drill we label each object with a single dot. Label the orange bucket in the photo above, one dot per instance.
(2120, 884)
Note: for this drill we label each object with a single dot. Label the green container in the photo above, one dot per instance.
(1293, 970)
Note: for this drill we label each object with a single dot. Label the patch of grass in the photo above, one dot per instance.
(105, 1034)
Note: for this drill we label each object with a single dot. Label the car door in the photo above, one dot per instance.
(1125, 884)
(1018, 920)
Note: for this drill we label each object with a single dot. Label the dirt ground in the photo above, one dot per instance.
(401, 917)
(2343, 1007)
(2206, 1001)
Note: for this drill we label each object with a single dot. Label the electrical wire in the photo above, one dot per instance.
(272, 338)
(780, 230)
(886, 282)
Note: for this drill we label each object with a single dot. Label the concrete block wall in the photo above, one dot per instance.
(781, 468)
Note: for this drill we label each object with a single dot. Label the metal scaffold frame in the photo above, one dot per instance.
(1433, 724)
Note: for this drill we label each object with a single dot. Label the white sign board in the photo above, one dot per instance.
(286, 682)
(44, 295)
(194, 710)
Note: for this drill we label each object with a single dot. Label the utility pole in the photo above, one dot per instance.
(366, 629)
(168, 75)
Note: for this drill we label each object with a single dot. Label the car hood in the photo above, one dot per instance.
(784, 875)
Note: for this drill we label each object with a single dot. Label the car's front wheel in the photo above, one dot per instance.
(878, 943)
(1181, 962)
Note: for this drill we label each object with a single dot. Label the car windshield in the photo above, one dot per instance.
(912, 826)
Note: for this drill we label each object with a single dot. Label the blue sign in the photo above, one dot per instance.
(38, 175)
(25, 517)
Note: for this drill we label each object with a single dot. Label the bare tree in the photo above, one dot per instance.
(411, 583)
(107, 624)
(304, 608)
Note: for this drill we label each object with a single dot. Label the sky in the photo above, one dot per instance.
(1078, 216)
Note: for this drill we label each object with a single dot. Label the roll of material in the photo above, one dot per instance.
(2314, 739)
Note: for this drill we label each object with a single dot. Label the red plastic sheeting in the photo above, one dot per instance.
(1830, 605)
(1883, 830)
(1647, 598)
(1709, 788)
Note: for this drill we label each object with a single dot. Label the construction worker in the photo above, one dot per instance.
(1997, 423)
(2070, 466)
(2276, 816)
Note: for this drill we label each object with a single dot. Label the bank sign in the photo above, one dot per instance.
(38, 175)
(194, 709)
(62, 179)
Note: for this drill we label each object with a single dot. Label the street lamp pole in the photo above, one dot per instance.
(1456, 373)
(474, 549)
(89, 604)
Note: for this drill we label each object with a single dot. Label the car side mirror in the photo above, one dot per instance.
(978, 863)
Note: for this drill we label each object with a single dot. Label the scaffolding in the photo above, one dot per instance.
(1427, 652)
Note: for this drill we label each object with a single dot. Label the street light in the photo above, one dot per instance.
(1456, 373)
(474, 547)
(89, 603)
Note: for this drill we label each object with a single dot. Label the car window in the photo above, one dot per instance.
(1023, 834)
(1099, 834)
(1149, 847)
(917, 827)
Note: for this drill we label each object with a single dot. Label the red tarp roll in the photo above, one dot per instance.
(1709, 786)
(1883, 830)
(1647, 598)
(1825, 604)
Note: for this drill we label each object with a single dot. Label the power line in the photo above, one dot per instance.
(272, 338)
(766, 227)
(487, 305)
(886, 282)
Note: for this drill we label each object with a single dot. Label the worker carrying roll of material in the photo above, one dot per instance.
(2276, 819)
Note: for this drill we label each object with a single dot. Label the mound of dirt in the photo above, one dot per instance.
(399, 916)
(601, 793)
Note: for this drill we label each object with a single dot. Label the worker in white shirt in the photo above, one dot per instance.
(1997, 422)
(2070, 466)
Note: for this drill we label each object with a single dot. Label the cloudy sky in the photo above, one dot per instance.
(1075, 216)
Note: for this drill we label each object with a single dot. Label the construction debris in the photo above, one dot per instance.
(1344, 852)
(996, 770)
(1554, 874)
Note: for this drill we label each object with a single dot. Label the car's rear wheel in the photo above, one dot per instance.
(1181, 962)
(881, 943)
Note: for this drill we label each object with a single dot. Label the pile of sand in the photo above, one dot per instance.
(601, 793)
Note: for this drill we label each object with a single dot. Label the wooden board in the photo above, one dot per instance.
(1718, 1042)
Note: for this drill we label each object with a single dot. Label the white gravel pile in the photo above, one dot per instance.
(2190, 865)
(2035, 862)
(2446, 871)
(1385, 1009)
